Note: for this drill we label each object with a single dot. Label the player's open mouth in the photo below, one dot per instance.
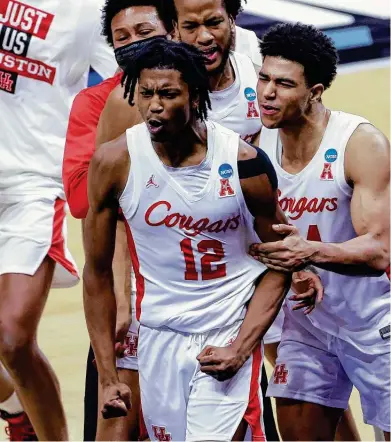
(269, 110)
(211, 55)
(154, 126)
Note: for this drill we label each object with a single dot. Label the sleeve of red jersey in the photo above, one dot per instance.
(79, 149)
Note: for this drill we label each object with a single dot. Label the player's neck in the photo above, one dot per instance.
(224, 79)
(187, 149)
(302, 140)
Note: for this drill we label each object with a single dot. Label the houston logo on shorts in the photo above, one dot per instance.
(160, 433)
(280, 374)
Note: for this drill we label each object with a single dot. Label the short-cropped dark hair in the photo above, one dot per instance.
(161, 53)
(233, 8)
(305, 45)
(112, 7)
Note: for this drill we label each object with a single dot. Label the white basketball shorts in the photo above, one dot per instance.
(179, 402)
(29, 231)
(314, 366)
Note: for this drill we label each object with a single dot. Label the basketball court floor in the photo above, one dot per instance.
(362, 89)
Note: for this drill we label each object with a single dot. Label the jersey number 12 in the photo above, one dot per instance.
(213, 252)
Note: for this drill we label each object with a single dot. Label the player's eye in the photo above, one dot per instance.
(214, 23)
(190, 26)
(145, 32)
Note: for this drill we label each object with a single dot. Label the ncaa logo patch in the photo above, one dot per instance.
(331, 155)
(226, 171)
(250, 94)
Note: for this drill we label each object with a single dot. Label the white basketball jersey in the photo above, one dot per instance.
(317, 201)
(189, 251)
(46, 49)
(247, 43)
(238, 111)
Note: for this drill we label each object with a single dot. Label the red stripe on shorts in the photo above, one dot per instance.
(254, 412)
(140, 284)
(57, 248)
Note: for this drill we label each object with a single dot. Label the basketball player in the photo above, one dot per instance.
(198, 299)
(333, 171)
(124, 23)
(47, 48)
(233, 78)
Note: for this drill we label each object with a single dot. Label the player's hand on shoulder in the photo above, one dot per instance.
(308, 289)
(116, 400)
(289, 254)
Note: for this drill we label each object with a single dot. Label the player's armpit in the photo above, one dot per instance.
(116, 117)
(367, 169)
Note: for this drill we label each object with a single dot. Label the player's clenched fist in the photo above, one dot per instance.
(221, 362)
(116, 400)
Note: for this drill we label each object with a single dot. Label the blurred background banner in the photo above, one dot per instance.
(359, 28)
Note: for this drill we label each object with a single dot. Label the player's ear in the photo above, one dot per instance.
(316, 93)
(195, 102)
(233, 32)
(175, 31)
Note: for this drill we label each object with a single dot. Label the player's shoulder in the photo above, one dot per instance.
(367, 155)
(368, 140)
(111, 155)
(98, 92)
(249, 151)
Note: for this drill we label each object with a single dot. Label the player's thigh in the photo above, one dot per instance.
(369, 371)
(305, 421)
(307, 372)
(216, 409)
(167, 362)
(22, 300)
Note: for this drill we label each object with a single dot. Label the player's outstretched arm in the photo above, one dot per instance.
(106, 178)
(116, 117)
(259, 186)
(367, 169)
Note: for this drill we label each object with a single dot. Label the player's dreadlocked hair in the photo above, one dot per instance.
(233, 8)
(112, 7)
(306, 45)
(160, 53)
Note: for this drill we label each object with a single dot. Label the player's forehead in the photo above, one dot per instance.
(199, 10)
(135, 16)
(278, 67)
(161, 78)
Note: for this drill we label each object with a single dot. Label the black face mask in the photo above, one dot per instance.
(126, 53)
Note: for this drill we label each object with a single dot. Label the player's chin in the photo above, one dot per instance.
(160, 137)
(269, 122)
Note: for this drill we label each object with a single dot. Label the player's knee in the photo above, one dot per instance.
(16, 344)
